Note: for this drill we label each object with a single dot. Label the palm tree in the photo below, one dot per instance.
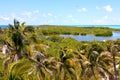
(31, 69)
(19, 37)
(66, 66)
(83, 61)
(114, 50)
(100, 62)
(16, 36)
(103, 64)
(40, 67)
(19, 70)
(14, 40)
(96, 63)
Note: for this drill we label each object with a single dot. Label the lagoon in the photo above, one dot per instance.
(115, 36)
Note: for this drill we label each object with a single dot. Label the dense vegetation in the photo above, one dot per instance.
(97, 31)
(34, 56)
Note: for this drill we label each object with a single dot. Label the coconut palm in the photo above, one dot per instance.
(100, 62)
(19, 70)
(16, 36)
(96, 65)
(103, 64)
(14, 40)
(114, 49)
(66, 69)
(30, 68)
(82, 60)
(40, 67)
(21, 44)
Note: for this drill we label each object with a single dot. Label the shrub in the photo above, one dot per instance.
(55, 38)
(107, 33)
(83, 34)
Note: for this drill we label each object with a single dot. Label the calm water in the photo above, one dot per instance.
(116, 35)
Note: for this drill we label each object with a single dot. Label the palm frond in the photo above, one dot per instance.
(19, 68)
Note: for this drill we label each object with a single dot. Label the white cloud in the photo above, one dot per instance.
(106, 20)
(6, 18)
(102, 20)
(82, 10)
(50, 14)
(55, 16)
(44, 15)
(27, 14)
(48, 18)
(98, 21)
(35, 12)
(30, 14)
(105, 17)
(47, 15)
(108, 8)
(13, 15)
(98, 8)
(70, 16)
(115, 20)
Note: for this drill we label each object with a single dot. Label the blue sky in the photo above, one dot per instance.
(61, 12)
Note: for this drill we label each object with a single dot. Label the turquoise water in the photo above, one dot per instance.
(115, 26)
(110, 26)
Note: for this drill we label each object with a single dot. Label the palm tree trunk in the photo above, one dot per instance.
(115, 70)
(38, 76)
(17, 57)
(17, 54)
(85, 77)
(93, 72)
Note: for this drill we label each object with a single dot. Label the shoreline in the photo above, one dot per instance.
(109, 26)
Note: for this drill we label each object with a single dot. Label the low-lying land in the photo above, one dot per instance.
(30, 55)
(97, 31)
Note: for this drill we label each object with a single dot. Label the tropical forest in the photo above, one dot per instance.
(40, 53)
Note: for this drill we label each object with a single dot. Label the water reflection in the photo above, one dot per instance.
(115, 36)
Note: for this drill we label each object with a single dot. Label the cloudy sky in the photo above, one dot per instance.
(61, 12)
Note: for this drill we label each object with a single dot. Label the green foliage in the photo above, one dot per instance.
(19, 70)
(29, 29)
(54, 30)
(106, 33)
(1, 67)
(83, 33)
(16, 34)
(96, 46)
(70, 43)
(55, 38)
(64, 58)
